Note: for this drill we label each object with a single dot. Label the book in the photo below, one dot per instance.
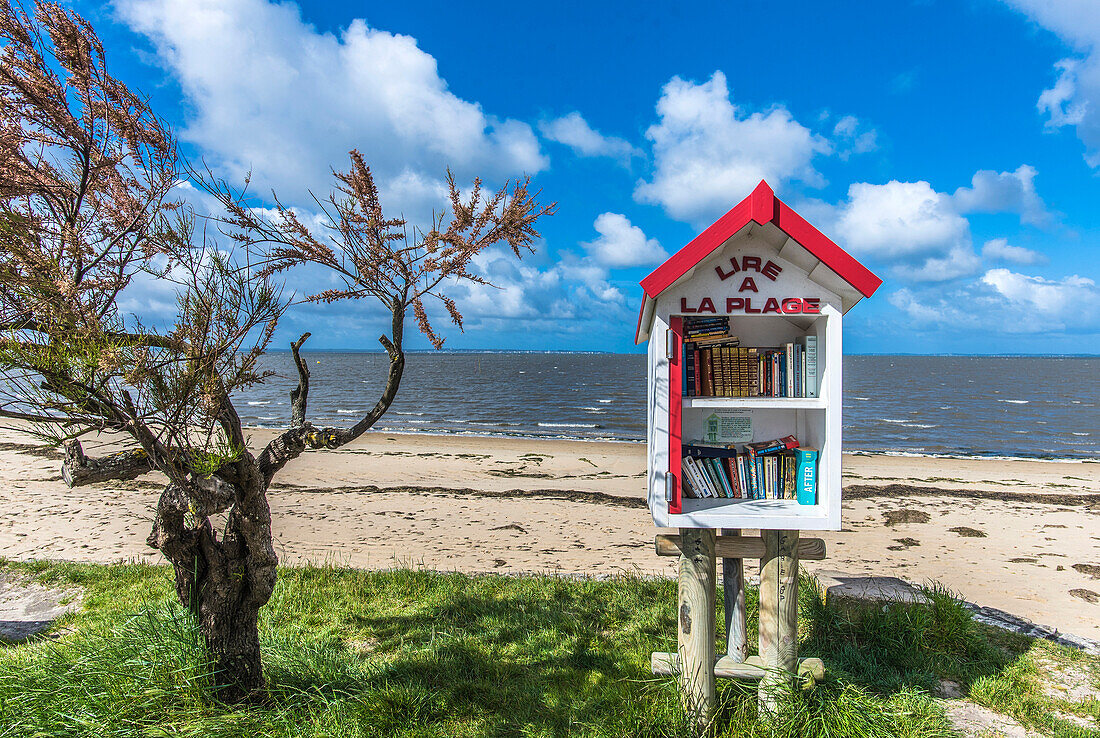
(810, 345)
(720, 473)
(806, 482)
(687, 482)
(702, 485)
(731, 470)
(786, 443)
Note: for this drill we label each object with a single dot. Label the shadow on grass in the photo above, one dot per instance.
(413, 653)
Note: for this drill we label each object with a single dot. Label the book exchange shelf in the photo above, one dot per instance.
(744, 327)
(814, 421)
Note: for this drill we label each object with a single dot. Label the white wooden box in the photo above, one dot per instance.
(801, 283)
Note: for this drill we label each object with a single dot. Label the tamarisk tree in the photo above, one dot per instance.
(86, 176)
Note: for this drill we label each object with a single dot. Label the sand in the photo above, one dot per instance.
(1021, 536)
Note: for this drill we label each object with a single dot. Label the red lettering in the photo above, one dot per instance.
(748, 284)
(792, 305)
(771, 306)
(811, 305)
(748, 306)
(771, 270)
(726, 275)
(684, 306)
(706, 306)
(750, 262)
(734, 303)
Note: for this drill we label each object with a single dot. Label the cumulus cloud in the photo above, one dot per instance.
(1003, 301)
(1004, 192)
(922, 234)
(1074, 98)
(709, 152)
(622, 244)
(999, 249)
(268, 92)
(910, 226)
(573, 131)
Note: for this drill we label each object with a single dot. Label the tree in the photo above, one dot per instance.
(86, 171)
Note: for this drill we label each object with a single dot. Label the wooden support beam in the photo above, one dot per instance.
(733, 593)
(695, 636)
(735, 547)
(666, 664)
(778, 613)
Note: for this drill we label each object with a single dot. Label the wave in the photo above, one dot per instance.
(1015, 402)
(568, 425)
(605, 401)
(259, 402)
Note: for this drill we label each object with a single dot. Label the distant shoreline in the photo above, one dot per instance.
(563, 352)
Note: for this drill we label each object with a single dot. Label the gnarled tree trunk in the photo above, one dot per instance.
(223, 582)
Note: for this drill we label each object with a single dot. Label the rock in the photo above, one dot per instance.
(975, 720)
(849, 592)
(28, 608)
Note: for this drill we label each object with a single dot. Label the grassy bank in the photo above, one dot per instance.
(414, 653)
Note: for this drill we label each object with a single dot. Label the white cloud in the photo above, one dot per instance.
(922, 234)
(271, 93)
(1003, 192)
(999, 249)
(621, 244)
(708, 153)
(849, 138)
(909, 226)
(1005, 302)
(1074, 99)
(1060, 303)
(573, 131)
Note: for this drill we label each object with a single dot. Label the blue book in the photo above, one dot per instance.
(806, 479)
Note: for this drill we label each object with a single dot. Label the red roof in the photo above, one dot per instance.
(763, 207)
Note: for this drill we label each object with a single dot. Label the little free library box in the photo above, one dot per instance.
(744, 394)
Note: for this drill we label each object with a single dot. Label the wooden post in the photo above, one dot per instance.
(733, 591)
(696, 623)
(778, 613)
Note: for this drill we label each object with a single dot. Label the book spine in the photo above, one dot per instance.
(698, 372)
(689, 370)
(708, 376)
(743, 478)
(701, 485)
(715, 483)
(687, 482)
(806, 483)
(731, 471)
(754, 482)
(812, 389)
(720, 472)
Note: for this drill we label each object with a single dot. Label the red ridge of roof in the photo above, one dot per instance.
(763, 207)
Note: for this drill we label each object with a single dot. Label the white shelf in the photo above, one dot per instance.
(790, 403)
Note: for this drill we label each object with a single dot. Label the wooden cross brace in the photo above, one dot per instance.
(695, 663)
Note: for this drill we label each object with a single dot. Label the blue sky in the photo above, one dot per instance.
(953, 147)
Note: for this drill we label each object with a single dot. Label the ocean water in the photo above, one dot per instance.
(1038, 407)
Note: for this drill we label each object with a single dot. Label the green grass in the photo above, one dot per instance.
(416, 653)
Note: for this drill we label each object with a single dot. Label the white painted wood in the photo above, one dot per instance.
(815, 421)
(733, 403)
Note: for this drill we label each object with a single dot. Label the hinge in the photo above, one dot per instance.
(670, 486)
(670, 345)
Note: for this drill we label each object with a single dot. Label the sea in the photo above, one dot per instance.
(969, 406)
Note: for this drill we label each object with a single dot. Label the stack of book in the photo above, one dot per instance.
(716, 365)
(773, 470)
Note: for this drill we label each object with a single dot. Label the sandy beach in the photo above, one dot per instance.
(1021, 536)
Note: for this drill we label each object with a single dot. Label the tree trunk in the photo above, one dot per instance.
(225, 582)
